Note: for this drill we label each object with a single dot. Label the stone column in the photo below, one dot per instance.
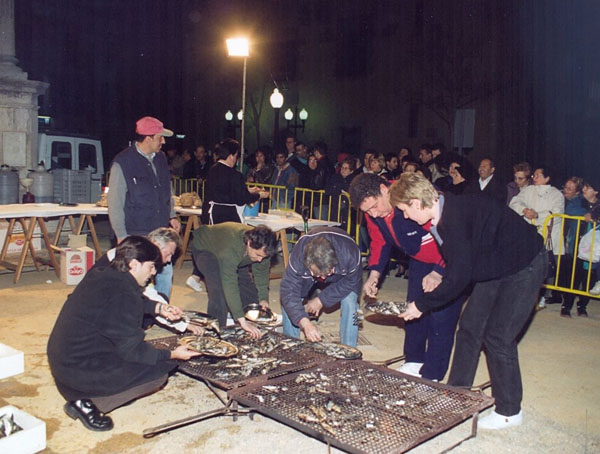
(18, 100)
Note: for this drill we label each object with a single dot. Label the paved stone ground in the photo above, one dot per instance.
(560, 362)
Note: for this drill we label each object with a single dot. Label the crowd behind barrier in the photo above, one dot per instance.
(338, 209)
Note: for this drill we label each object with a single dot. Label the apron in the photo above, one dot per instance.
(238, 208)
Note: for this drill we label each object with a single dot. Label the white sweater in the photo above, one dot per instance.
(546, 200)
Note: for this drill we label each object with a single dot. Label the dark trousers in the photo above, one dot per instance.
(217, 304)
(108, 403)
(580, 281)
(429, 339)
(494, 317)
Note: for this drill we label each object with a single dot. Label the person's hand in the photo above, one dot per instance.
(195, 329)
(184, 353)
(411, 312)
(264, 194)
(588, 217)
(530, 213)
(431, 281)
(370, 287)
(314, 306)
(311, 332)
(175, 224)
(264, 305)
(250, 328)
(254, 190)
(169, 312)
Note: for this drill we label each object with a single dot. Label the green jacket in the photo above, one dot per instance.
(226, 242)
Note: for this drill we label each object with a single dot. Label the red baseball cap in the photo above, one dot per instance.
(149, 126)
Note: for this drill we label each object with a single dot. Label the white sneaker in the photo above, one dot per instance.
(411, 369)
(542, 302)
(595, 290)
(495, 421)
(194, 284)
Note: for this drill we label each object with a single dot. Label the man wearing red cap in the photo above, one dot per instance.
(139, 199)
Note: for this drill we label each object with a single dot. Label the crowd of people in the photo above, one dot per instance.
(466, 238)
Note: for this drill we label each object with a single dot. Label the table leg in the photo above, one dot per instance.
(32, 249)
(28, 231)
(52, 257)
(186, 239)
(11, 226)
(90, 220)
(284, 248)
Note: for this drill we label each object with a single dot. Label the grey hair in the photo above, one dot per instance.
(162, 236)
(320, 252)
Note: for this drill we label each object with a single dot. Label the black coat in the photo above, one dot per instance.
(495, 188)
(225, 186)
(97, 345)
(482, 239)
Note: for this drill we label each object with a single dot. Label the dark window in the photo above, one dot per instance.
(61, 155)
(87, 157)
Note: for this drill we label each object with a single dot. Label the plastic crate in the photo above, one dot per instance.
(72, 186)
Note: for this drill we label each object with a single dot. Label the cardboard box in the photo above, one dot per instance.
(76, 260)
(12, 362)
(18, 237)
(27, 441)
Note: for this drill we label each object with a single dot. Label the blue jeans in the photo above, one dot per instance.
(348, 330)
(493, 318)
(163, 281)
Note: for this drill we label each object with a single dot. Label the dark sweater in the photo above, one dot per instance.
(97, 345)
(483, 239)
(225, 186)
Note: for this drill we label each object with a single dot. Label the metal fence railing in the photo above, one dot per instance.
(573, 275)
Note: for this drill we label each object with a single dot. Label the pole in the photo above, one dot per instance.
(243, 117)
(276, 128)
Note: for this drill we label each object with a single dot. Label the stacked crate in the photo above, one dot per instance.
(72, 186)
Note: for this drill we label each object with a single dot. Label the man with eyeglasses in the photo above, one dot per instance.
(327, 258)
(140, 199)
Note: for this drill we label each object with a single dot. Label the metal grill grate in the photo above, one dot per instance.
(273, 355)
(362, 408)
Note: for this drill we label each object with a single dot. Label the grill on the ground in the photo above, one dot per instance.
(361, 407)
(288, 355)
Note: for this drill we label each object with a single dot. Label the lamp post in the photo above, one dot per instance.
(232, 125)
(276, 100)
(289, 115)
(239, 47)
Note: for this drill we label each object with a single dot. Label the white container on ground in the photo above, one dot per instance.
(27, 441)
(12, 362)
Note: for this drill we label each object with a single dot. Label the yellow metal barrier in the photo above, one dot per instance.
(567, 261)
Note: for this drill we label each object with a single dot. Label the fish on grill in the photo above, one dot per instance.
(209, 346)
(387, 307)
(339, 351)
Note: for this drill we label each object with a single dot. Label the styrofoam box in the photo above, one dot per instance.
(11, 362)
(27, 441)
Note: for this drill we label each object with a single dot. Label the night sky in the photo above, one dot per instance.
(372, 74)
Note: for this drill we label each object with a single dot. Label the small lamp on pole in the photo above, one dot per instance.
(276, 100)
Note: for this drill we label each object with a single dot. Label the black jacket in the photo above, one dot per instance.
(97, 345)
(483, 239)
(225, 186)
(297, 280)
(494, 188)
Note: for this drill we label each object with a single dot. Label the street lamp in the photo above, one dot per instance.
(276, 100)
(289, 115)
(232, 124)
(240, 47)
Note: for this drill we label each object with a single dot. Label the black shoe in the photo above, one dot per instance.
(582, 312)
(565, 313)
(88, 414)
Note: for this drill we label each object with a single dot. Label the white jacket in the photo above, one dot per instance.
(546, 200)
